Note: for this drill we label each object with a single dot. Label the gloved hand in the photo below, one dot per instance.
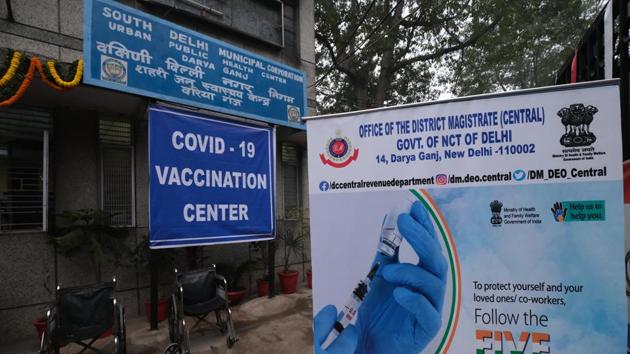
(323, 324)
(402, 312)
(559, 213)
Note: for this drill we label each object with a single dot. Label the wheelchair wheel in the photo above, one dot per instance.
(185, 344)
(174, 333)
(173, 348)
(231, 341)
(222, 320)
(120, 340)
(46, 346)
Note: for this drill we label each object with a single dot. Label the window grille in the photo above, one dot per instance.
(290, 176)
(290, 154)
(117, 171)
(22, 168)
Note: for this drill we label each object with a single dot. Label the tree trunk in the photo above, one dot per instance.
(385, 78)
(387, 60)
(361, 94)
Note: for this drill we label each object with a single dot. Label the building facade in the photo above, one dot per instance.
(87, 148)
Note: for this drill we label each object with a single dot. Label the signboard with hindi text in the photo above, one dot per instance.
(128, 50)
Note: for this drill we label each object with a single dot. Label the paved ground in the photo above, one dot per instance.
(265, 326)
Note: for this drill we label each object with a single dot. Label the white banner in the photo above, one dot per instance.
(489, 224)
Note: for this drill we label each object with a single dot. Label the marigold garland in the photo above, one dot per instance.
(78, 64)
(23, 86)
(20, 69)
(10, 89)
(10, 73)
(47, 77)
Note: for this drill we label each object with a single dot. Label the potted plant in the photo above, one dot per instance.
(309, 278)
(40, 326)
(292, 244)
(162, 310)
(262, 250)
(262, 286)
(233, 276)
(40, 321)
(140, 258)
(90, 230)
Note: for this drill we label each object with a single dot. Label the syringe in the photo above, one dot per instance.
(388, 246)
(351, 308)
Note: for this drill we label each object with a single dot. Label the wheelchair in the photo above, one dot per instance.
(81, 314)
(196, 294)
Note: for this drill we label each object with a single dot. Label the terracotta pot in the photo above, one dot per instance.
(107, 333)
(288, 281)
(40, 326)
(309, 279)
(235, 296)
(263, 287)
(162, 309)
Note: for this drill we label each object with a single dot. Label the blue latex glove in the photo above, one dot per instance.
(323, 324)
(402, 312)
(559, 213)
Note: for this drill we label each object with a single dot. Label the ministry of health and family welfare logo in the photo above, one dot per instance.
(577, 121)
(339, 152)
(113, 70)
(495, 208)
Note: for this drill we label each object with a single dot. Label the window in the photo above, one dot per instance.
(24, 137)
(117, 188)
(260, 19)
(290, 157)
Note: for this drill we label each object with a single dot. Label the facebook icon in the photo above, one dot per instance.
(324, 186)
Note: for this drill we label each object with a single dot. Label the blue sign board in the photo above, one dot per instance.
(131, 51)
(211, 181)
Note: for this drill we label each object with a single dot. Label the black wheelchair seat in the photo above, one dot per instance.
(84, 312)
(199, 285)
(203, 308)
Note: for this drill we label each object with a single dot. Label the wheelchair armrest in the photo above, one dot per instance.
(119, 314)
(117, 304)
(178, 289)
(222, 287)
(51, 317)
(178, 292)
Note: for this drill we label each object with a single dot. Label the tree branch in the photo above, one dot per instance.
(443, 51)
(337, 63)
(419, 22)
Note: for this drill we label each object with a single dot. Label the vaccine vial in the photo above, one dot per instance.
(390, 236)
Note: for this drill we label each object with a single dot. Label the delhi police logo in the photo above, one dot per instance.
(577, 121)
(113, 70)
(495, 208)
(339, 152)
